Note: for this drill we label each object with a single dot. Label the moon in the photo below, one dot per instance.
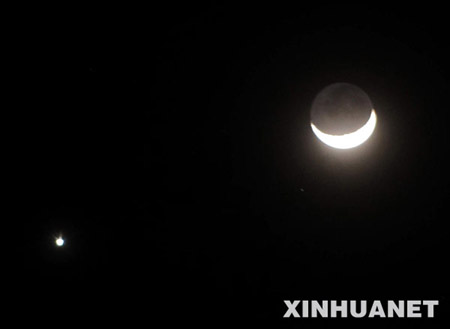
(342, 116)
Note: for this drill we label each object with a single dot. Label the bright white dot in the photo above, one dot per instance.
(59, 242)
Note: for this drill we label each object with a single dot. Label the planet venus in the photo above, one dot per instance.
(59, 242)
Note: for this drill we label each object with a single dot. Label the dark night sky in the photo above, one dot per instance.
(171, 147)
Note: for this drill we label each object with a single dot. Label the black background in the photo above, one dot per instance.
(171, 147)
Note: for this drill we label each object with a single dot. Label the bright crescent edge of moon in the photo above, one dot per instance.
(350, 140)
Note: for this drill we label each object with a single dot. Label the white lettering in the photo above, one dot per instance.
(291, 309)
(353, 311)
(321, 309)
(342, 308)
(413, 307)
(399, 310)
(430, 307)
(377, 310)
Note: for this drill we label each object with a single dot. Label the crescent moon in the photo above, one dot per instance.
(350, 140)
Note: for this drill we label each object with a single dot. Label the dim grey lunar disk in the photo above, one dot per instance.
(342, 116)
